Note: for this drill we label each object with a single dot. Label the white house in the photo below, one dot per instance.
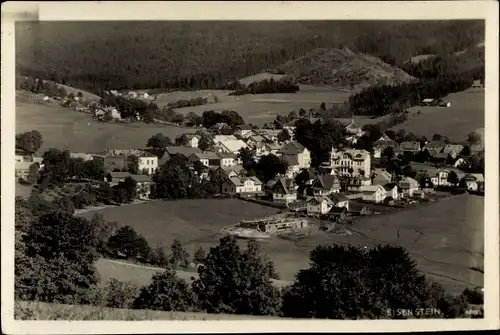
(147, 162)
(193, 140)
(408, 186)
(340, 200)
(298, 151)
(473, 180)
(441, 178)
(83, 155)
(345, 161)
(227, 159)
(373, 193)
(392, 190)
(319, 205)
(239, 185)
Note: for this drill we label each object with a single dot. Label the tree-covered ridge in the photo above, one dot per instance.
(187, 55)
(343, 68)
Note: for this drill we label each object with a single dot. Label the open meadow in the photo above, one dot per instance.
(65, 128)
(465, 115)
(445, 238)
(261, 108)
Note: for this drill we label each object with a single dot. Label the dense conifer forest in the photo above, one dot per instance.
(203, 55)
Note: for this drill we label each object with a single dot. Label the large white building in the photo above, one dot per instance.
(147, 162)
(351, 162)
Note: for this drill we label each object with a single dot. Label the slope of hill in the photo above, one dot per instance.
(203, 55)
(343, 69)
(30, 310)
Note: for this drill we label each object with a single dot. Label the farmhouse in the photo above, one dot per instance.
(242, 185)
(355, 183)
(393, 190)
(325, 185)
(230, 146)
(206, 158)
(339, 200)
(284, 191)
(473, 181)
(227, 159)
(296, 151)
(193, 140)
(408, 186)
(319, 205)
(338, 214)
(351, 162)
(374, 193)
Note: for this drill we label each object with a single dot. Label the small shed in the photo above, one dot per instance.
(428, 102)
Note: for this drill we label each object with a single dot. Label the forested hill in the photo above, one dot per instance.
(343, 69)
(172, 55)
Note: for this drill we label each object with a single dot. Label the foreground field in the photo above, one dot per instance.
(261, 108)
(27, 310)
(445, 239)
(66, 128)
(465, 115)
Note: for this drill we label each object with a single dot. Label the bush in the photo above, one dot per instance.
(166, 293)
(118, 294)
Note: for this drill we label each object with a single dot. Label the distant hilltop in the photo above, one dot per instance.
(343, 69)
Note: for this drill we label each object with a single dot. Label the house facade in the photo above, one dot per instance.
(147, 162)
(284, 191)
(410, 146)
(22, 169)
(193, 140)
(319, 205)
(473, 181)
(408, 186)
(351, 162)
(294, 150)
(242, 185)
(111, 162)
(374, 193)
(325, 185)
(143, 187)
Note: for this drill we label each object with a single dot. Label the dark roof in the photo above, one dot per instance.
(337, 210)
(292, 148)
(291, 160)
(286, 184)
(414, 145)
(390, 186)
(326, 181)
(337, 197)
(186, 151)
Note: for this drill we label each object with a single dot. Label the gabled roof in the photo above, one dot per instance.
(355, 154)
(390, 186)
(433, 145)
(477, 176)
(319, 200)
(205, 155)
(292, 148)
(23, 165)
(326, 181)
(239, 181)
(225, 155)
(406, 182)
(286, 184)
(232, 145)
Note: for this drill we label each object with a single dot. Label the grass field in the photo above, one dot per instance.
(27, 310)
(465, 115)
(444, 238)
(261, 108)
(65, 128)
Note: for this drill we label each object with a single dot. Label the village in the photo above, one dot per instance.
(350, 184)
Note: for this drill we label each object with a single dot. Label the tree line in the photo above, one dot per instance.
(56, 252)
(283, 85)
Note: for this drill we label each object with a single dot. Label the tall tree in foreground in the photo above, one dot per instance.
(179, 258)
(235, 282)
(56, 263)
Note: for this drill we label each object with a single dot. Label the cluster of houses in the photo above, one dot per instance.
(348, 175)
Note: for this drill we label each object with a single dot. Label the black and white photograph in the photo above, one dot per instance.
(293, 169)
